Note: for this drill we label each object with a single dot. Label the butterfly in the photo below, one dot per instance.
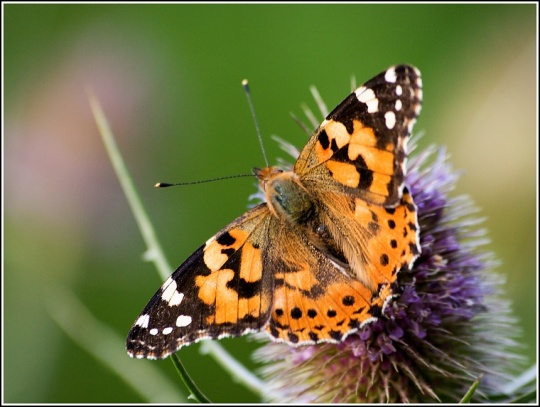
(320, 258)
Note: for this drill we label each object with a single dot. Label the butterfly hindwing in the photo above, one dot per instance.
(393, 239)
(315, 299)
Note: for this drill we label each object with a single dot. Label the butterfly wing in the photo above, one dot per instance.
(315, 300)
(220, 290)
(354, 166)
(360, 147)
(312, 282)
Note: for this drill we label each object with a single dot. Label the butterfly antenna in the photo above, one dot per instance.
(245, 85)
(166, 184)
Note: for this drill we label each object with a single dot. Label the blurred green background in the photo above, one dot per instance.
(168, 77)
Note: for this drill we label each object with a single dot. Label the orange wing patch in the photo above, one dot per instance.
(393, 243)
(215, 252)
(233, 286)
(326, 313)
(358, 159)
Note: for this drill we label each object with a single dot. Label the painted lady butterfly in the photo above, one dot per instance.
(320, 258)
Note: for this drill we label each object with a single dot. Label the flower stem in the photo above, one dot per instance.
(188, 381)
(154, 252)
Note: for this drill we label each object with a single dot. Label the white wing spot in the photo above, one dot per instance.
(390, 118)
(176, 298)
(154, 331)
(170, 295)
(167, 330)
(183, 320)
(398, 105)
(368, 97)
(143, 321)
(390, 75)
(399, 90)
(168, 287)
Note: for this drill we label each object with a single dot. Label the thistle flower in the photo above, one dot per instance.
(449, 325)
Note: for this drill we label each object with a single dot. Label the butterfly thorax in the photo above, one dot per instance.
(286, 197)
(290, 201)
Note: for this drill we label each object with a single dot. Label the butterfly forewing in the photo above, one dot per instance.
(220, 290)
(362, 142)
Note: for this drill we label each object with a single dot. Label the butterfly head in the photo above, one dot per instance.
(265, 174)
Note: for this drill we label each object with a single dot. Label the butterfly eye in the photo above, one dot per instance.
(321, 230)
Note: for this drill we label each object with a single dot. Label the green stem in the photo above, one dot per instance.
(154, 252)
(186, 378)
